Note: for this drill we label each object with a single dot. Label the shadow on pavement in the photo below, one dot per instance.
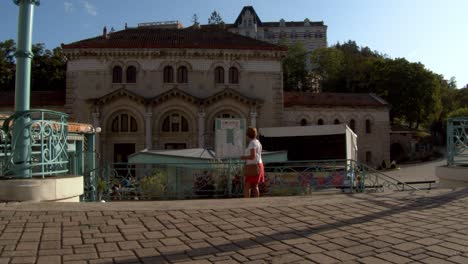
(406, 205)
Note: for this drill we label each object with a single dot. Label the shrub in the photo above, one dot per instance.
(459, 112)
(154, 186)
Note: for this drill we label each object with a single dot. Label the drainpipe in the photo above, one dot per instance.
(21, 135)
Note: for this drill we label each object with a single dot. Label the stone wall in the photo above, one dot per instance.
(377, 142)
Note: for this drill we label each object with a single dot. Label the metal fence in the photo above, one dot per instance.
(224, 179)
(40, 135)
(457, 141)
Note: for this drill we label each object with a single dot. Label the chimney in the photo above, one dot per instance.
(125, 25)
(104, 32)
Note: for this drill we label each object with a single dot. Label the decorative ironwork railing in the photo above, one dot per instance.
(457, 141)
(125, 181)
(38, 134)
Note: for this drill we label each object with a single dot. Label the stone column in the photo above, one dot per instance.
(148, 131)
(253, 117)
(201, 128)
(97, 126)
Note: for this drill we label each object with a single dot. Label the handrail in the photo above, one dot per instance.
(46, 150)
(6, 122)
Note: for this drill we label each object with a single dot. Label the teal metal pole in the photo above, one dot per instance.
(90, 166)
(21, 134)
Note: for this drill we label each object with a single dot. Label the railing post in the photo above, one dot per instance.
(450, 147)
(90, 165)
(23, 54)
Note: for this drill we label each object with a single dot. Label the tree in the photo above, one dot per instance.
(215, 18)
(294, 68)
(195, 20)
(48, 67)
(7, 64)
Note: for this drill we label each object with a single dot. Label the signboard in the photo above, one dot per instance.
(229, 137)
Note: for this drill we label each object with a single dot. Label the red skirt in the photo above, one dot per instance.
(258, 178)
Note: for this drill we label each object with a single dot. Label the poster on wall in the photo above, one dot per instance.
(230, 137)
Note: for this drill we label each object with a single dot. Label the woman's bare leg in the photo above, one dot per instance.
(256, 191)
(247, 190)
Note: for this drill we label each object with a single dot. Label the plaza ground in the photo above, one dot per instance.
(398, 227)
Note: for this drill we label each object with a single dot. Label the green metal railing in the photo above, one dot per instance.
(224, 179)
(457, 141)
(45, 134)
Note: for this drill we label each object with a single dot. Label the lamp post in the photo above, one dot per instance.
(23, 54)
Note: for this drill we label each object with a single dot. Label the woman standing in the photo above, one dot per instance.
(253, 159)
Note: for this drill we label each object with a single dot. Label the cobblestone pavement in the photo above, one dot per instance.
(404, 227)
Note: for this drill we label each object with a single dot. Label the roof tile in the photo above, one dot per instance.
(151, 37)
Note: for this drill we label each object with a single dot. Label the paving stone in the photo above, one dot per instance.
(443, 250)
(458, 259)
(433, 260)
(394, 258)
(105, 247)
(408, 246)
(23, 260)
(49, 260)
(84, 256)
(358, 249)
(321, 258)
(254, 251)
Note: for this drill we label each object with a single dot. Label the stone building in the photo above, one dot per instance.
(162, 88)
(366, 114)
(152, 87)
(312, 33)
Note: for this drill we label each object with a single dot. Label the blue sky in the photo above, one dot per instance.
(433, 32)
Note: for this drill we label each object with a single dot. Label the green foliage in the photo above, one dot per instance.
(215, 18)
(459, 112)
(154, 186)
(414, 93)
(7, 64)
(294, 68)
(48, 67)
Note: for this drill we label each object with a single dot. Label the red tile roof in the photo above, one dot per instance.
(38, 98)
(333, 100)
(151, 37)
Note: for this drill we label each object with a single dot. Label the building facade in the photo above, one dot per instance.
(155, 88)
(312, 33)
(162, 88)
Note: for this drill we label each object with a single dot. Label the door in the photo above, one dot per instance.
(121, 153)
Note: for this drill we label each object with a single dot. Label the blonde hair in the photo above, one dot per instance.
(251, 132)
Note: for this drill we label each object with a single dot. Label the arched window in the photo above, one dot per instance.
(336, 122)
(117, 74)
(320, 122)
(175, 123)
(131, 74)
(219, 74)
(124, 123)
(182, 74)
(233, 75)
(168, 74)
(303, 122)
(352, 125)
(368, 126)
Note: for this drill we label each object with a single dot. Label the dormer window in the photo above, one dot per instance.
(282, 23)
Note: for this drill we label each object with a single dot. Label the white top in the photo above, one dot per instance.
(255, 145)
